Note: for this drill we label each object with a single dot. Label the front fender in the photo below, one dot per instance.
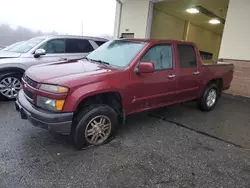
(76, 96)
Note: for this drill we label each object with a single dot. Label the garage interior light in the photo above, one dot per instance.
(214, 21)
(192, 10)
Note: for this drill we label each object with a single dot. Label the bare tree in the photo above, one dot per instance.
(9, 35)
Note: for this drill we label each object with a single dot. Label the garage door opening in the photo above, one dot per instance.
(200, 21)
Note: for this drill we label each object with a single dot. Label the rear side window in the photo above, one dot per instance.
(55, 46)
(78, 46)
(99, 43)
(187, 56)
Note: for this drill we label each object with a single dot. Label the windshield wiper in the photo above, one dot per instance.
(98, 61)
(87, 58)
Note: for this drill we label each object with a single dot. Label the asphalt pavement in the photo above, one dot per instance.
(148, 151)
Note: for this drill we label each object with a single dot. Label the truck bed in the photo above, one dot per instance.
(221, 70)
(217, 64)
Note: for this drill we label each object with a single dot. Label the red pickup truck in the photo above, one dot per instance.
(88, 98)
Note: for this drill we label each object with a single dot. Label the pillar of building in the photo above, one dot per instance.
(235, 45)
(132, 18)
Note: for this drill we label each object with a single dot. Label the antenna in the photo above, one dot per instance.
(82, 28)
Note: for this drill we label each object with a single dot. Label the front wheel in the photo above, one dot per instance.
(209, 98)
(94, 125)
(10, 85)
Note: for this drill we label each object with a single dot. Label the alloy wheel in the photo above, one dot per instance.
(211, 98)
(10, 86)
(98, 130)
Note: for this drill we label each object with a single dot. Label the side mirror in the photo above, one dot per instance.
(145, 67)
(39, 52)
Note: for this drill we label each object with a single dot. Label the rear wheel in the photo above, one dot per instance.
(10, 85)
(94, 125)
(209, 98)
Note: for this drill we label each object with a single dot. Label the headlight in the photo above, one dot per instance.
(50, 104)
(54, 88)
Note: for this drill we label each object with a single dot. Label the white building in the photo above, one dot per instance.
(219, 27)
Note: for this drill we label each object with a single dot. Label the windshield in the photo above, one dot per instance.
(118, 53)
(11, 46)
(26, 46)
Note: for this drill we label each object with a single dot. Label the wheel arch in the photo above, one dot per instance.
(110, 98)
(218, 81)
(11, 70)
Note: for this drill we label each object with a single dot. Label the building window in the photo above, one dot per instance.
(128, 35)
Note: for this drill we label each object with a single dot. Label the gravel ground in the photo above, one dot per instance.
(147, 152)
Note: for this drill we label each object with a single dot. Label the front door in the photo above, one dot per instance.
(55, 51)
(155, 89)
(189, 75)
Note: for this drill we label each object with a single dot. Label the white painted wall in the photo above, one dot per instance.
(205, 40)
(134, 17)
(117, 20)
(165, 26)
(236, 37)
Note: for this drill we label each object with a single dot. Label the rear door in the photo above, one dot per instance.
(189, 75)
(77, 48)
(155, 89)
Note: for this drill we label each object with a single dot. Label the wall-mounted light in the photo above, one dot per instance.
(214, 21)
(193, 10)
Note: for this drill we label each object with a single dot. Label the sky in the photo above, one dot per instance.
(76, 17)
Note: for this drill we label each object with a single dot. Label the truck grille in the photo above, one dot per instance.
(29, 94)
(29, 81)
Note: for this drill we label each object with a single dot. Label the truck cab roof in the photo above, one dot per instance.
(157, 41)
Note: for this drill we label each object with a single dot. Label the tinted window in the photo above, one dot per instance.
(161, 56)
(187, 56)
(78, 46)
(99, 43)
(55, 46)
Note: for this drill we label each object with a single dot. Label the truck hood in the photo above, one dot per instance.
(67, 73)
(7, 54)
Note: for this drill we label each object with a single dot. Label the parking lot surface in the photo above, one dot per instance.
(148, 151)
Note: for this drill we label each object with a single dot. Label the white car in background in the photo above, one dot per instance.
(40, 50)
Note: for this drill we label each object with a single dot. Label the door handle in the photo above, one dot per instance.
(63, 59)
(196, 72)
(171, 76)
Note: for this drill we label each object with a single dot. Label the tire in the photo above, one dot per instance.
(85, 123)
(15, 80)
(204, 103)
